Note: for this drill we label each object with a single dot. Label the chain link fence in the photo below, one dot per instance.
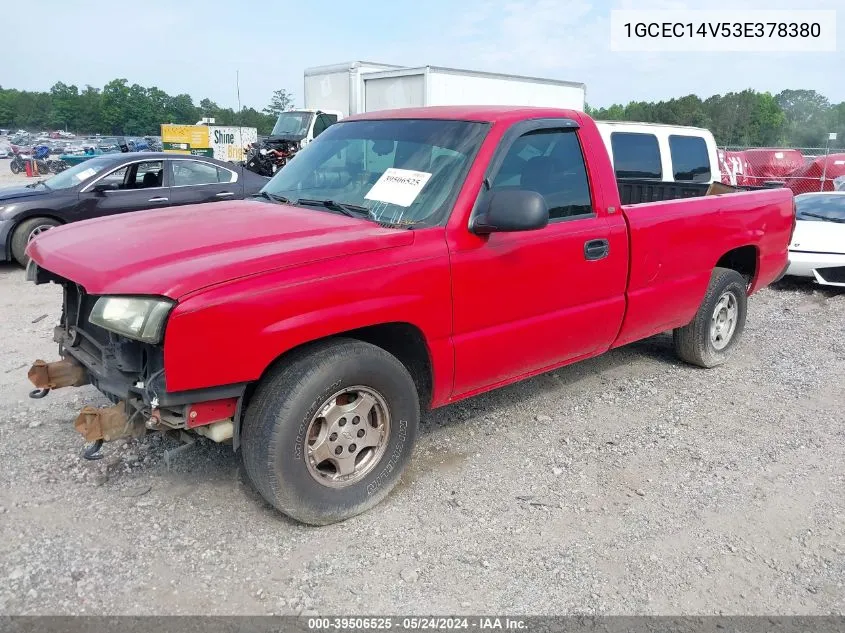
(802, 169)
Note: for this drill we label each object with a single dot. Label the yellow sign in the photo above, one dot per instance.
(195, 136)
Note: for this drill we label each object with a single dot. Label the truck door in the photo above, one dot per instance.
(528, 301)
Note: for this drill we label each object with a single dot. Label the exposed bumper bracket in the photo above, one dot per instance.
(61, 373)
(107, 423)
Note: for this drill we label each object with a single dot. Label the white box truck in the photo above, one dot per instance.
(356, 87)
(339, 87)
(435, 85)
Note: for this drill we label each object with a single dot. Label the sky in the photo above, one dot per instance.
(187, 46)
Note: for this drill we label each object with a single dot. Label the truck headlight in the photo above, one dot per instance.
(134, 317)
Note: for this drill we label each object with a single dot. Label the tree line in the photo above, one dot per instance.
(124, 109)
(792, 118)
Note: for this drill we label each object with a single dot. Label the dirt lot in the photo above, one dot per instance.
(629, 484)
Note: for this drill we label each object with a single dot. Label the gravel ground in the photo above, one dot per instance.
(8, 179)
(628, 484)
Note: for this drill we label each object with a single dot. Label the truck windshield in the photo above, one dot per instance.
(402, 171)
(293, 124)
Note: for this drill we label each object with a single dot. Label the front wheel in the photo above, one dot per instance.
(24, 232)
(329, 431)
(15, 166)
(719, 322)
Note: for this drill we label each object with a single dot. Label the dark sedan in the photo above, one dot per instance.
(116, 183)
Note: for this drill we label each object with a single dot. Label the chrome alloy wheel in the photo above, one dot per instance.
(37, 231)
(347, 437)
(723, 321)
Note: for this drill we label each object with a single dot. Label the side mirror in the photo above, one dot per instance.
(102, 187)
(511, 210)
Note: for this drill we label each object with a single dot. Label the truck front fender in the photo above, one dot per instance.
(234, 332)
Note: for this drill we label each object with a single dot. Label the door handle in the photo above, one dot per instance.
(596, 249)
(157, 199)
(224, 194)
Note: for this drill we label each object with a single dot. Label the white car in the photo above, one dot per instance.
(818, 245)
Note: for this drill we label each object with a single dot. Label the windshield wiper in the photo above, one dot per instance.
(271, 197)
(351, 210)
(35, 184)
(826, 218)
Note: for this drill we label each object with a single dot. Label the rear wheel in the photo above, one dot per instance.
(15, 166)
(24, 232)
(719, 322)
(328, 433)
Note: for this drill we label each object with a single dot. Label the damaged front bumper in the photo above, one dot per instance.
(131, 374)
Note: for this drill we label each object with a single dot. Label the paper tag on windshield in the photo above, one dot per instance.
(398, 186)
(85, 173)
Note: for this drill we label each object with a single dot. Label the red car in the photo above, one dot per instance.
(403, 261)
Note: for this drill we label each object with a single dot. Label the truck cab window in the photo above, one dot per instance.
(636, 155)
(690, 160)
(320, 124)
(551, 163)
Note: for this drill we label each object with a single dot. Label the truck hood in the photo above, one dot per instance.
(818, 237)
(171, 252)
(12, 193)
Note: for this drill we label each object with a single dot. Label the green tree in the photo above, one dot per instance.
(281, 102)
(807, 114)
(181, 109)
(65, 100)
(115, 106)
(7, 108)
(89, 115)
(746, 118)
(140, 117)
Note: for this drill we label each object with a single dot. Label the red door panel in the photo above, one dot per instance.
(527, 301)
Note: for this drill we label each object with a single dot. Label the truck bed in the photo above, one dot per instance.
(637, 191)
(672, 247)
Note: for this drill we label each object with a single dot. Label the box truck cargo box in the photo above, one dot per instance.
(339, 87)
(434, 85)
(356, 87)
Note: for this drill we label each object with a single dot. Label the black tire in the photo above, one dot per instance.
(273, 442)
(15, 167)
(20, 236)
(693, 342)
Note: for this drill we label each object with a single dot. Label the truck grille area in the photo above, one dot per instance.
(117, 366)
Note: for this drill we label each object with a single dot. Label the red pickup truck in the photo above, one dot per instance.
(402, 261)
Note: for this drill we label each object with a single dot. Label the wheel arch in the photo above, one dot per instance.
(402, 339)
(743, 259)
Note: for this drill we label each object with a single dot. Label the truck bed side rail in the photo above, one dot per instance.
(639, 191)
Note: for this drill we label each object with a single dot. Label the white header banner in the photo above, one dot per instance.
(722, 31)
